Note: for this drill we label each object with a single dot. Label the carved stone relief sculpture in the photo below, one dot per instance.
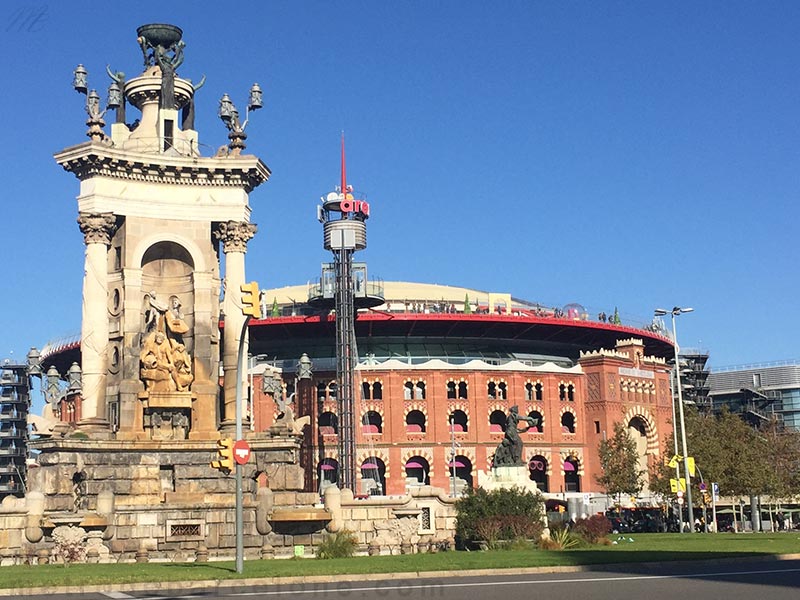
(165, 364)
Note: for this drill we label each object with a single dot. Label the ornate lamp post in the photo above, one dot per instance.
(95, 114)
(230, 116)
(675, 312)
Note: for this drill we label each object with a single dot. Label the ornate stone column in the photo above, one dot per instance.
(234, 236)
(97, 229)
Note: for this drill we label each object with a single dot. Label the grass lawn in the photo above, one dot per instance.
(657, 547)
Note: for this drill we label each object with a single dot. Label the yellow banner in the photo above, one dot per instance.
(677, 485)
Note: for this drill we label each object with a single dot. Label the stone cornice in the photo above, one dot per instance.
(92, 159)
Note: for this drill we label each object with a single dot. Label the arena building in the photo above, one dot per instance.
(439, 369)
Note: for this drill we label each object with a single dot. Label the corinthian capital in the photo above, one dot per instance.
(97, 228)
(235, 234)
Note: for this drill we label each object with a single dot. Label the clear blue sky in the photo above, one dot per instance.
(635, 154)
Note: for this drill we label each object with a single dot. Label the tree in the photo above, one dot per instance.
(619, 460)
(733, 454)
(467, 307)
(782, 447)
(276, 311)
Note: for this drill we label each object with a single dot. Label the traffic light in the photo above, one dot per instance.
(706, 497)
(251, 299)
(225, 455)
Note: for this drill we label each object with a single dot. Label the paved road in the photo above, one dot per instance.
(744, 580)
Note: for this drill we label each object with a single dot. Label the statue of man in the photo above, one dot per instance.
(509, 452)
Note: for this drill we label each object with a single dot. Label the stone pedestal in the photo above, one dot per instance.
(167, 414)
(507, 477)
(96, 428)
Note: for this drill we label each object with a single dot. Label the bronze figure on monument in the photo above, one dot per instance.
(509, 451)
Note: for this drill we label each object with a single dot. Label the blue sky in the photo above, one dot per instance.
(628, 154)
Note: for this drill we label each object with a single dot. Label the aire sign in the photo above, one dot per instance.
(354, 206)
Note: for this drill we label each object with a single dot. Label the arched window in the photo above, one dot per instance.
(462, 390)
(377, 391)
(571, 393)
(373, 477)
(637, 427)
(328, 471)
(458, 421)
(539, 427)
(637, 431)
(322, 392)
(537, 467)
(419, 391)
(568, 423)
(372, 422)
(451, 390)
(415, 421)
(417, 471)
(366, 391)
(502, 390)
(497, 421)
(572, 480)
(562, 392)
(538, 392)
(461, 467)
(328, 423)
(529, 391)
(491, 390)
(408, 390)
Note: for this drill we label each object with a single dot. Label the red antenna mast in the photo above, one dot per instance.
(344, 172)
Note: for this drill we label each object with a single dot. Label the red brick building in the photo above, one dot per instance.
(439, 369)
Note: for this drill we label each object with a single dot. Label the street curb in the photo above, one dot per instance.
(216, 584)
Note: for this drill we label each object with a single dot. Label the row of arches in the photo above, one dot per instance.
(456, 390)
(416, 421)
(417, 471)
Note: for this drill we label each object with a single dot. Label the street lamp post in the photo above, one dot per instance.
(676, 451)
(675, 312)
(453, 455)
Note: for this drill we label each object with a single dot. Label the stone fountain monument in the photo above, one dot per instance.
(127, 464)
(159, 218)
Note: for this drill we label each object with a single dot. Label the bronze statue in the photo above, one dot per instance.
(162, 46)
(118, 77)
(509, 451)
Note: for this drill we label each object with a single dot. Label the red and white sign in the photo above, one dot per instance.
(356, 206)
(241, 452)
